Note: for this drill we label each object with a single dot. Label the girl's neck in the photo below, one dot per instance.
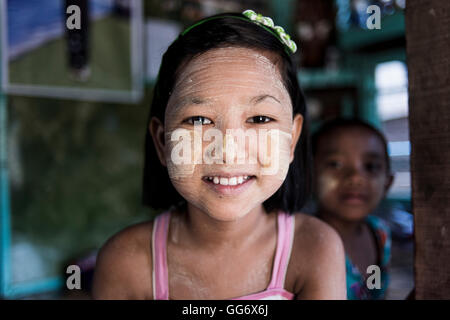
(200, 230)
(346, 229)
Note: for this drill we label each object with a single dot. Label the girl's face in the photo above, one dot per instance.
(222, 98)
(351, 173)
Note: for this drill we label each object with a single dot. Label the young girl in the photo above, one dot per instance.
(352, 176)
(230, 228)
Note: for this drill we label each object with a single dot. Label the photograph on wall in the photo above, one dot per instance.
(73, 49)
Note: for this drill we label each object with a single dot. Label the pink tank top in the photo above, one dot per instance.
(275, 290)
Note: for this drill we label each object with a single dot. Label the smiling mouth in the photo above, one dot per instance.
(228, 181)
(231, 185)
(353, 198)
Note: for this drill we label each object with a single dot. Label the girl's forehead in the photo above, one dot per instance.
(225, 70)
(220, 57)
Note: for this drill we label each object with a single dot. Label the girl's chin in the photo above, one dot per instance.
(353, 215)
(227, 212)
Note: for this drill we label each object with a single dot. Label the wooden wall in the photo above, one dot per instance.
(428, 58)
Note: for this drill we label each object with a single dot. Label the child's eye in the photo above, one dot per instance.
(333, 164)
(259, 119)
(373, 167)
(198, 120)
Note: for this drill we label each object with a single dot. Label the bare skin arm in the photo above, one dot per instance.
(123, 268)
(325, 274)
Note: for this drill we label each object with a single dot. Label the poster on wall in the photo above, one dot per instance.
(73, 49)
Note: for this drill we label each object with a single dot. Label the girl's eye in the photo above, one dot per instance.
(334, 164)
(259, 119)
(198, 120)
(373, 167)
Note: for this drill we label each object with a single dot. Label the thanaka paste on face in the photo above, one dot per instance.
(327, 184)
(186, 89)
(219, 85)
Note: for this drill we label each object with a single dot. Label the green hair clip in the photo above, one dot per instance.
(268, 22)
(264, 22)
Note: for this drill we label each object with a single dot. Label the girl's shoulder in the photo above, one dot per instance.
(124, 264)
(311, 231)
(315, 246)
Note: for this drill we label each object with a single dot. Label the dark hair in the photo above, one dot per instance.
(225, 30)
(340, 123)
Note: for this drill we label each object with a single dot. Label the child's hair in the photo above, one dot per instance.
(220, 31)
(339, 123)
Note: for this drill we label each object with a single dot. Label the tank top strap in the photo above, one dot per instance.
(285, 238)
(159, 257)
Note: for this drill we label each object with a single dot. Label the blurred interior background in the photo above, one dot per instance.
(74, 105)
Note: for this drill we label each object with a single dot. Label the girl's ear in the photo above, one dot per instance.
(156, 129)
(296, 131)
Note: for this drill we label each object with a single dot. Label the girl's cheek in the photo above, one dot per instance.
(274, 153)
(377, 187)
(180, 154)
(185, 149)
(327, 185)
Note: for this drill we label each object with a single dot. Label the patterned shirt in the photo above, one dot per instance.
(357, 288)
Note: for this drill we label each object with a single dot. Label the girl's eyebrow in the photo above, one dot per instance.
(198, 100)
(374, 155)
(261, 97)
(195, 100)
(190, 101)
(330, 152)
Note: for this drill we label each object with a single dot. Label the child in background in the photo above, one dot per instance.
(352, 176)
(229, 230)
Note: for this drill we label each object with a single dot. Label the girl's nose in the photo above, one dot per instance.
(231, 127)
(230, 119)
(355, 175)
(230, 148)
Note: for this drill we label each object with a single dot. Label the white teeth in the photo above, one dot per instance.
(228, 181)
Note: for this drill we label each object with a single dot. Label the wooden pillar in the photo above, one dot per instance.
(428, 52)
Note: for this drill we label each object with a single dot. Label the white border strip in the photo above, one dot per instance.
(137, 45)
(121, 96)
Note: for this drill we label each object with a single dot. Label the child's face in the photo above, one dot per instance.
(351, 175)
(229, 89)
